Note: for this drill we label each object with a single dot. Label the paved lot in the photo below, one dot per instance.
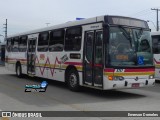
(59, 98)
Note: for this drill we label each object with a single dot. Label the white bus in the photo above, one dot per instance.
(105, 52)
(156, 52)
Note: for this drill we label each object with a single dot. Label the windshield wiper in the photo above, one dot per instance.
(126, 34)
(139, 34)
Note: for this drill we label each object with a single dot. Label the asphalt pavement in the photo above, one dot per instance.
(59, 98)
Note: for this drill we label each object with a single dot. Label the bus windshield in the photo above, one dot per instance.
(130, 47)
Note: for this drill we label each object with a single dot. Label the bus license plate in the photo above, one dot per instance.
(135, 85)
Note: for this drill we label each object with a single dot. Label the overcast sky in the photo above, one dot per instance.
(25, 15)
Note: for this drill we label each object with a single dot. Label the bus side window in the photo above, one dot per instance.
(73, 39)
(156, 44)
(43, 42)
(8, 47)
(89, 48)
(56, 42)
(15, 44)
(23, 44)
(98, 47)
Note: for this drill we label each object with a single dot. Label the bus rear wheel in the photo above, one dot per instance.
(73, 80)
(18, 70)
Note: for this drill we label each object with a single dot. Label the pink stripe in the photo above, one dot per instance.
(140, 70)
(16, 59)
(73, 63)
(109, 70)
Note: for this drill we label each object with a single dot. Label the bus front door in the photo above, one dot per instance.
(31, 56)
(93, 59)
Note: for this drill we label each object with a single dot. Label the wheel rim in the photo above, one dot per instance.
(73, 80)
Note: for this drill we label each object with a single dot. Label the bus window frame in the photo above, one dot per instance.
(80, 47)
(51, 33)
(20, 39)
(39, 40)
(13, 40)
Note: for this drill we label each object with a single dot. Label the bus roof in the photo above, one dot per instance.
(3, 43)
(75, 23)
(64, 25)
(155, 33)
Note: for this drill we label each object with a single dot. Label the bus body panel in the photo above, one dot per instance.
(156, 52)
(42, 64)
(157, 66)
(131, 83)
(54, 65)
(132, 78)
(59, 61)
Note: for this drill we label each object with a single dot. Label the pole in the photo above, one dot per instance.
(5, 30)
(157, 17)
(157, 21)
(47, 24)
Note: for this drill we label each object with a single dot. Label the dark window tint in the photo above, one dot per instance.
(32, 45)
(23, 44)
(89, 46)
(73, 39)
(98, 47)
(15, 44)
(56, 40)
(9, 44)
(43, 42)
(156, 44)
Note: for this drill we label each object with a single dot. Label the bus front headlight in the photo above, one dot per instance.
(151, 76)
(121, 78)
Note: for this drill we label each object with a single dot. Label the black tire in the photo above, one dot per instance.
(73, 80)
(19, 71)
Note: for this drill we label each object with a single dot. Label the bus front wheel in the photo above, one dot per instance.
(73, 80)
(18, 70)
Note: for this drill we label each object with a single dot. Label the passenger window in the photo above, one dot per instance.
(43, 42)
(9, 45)
(15, 44)
(23, 44)
(73, 39)
(156, 44)
(56, 42)
(89, 46)
(98, 47)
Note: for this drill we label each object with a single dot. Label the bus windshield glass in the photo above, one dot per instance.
(130, 47)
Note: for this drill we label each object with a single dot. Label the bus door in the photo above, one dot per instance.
(31, 56)
(93, 59)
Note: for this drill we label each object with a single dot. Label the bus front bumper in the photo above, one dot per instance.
(129, 83)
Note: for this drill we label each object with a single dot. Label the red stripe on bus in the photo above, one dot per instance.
(23, 59)
(140, 70)
(16, 59)
(132, 70)
(73, 63)
(109, 70)
(97, 65)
